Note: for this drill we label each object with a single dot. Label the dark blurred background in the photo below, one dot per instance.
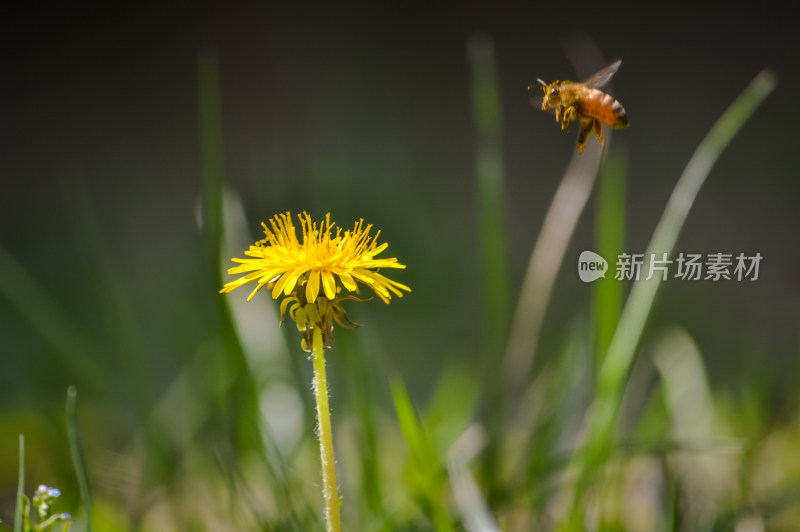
(365, 110)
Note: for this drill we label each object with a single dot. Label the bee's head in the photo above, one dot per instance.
(552, 94)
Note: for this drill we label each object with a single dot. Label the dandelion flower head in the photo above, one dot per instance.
(327, 260)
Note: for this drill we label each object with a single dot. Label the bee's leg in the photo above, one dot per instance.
(598, 130)
(586, 127)
(582, 138)
(568, 116)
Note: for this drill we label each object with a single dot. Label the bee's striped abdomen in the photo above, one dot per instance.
(603, 107)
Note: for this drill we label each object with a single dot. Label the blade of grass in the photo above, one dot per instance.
(114, 308)
(426, 471)
(551, 245)
(20, 486)
(489, 165)
(617, 363)
(492, 240)
(361, 376)
(705, 476)
(76, 451)
(610, 241)
(51, 322)
(473, 507)
(211, 155)
(561, 390)
(240, 400)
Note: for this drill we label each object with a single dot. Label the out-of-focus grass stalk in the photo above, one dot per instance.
(51, 322)
(551, 245)
(329, 488)
(491, 207)
(112, 305)
(241, 395)
(492, 234)
(426, 473)
(474, 508)
(20, 486)
(694, 422)
(211, 155)
(610, 241)
(559, 224)
(363, 376)
(617, 363)
(76, 451)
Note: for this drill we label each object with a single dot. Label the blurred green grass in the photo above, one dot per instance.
(227, 442)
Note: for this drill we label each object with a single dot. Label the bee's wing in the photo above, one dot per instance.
(601, 77)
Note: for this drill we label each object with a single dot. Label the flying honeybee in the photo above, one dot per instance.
(585, 103)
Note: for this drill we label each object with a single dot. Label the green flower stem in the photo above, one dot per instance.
(329, 489)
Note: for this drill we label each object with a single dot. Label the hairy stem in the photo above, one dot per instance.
(329, 488)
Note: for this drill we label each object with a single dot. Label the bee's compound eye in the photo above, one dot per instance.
(554, 91)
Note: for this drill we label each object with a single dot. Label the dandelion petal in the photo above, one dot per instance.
(328, 284)
(312, 290)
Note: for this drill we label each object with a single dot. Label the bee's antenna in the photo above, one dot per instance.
(542, 83)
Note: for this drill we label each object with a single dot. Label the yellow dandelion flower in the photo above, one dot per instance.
(311, 275)
(326, 258)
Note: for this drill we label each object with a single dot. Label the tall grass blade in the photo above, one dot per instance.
(361, 376)
(617, 363)
(78, 458)
(108, 292)
(551, 245)
(640, 302)
(491, 207)
(706, 474)
(211, 154)
(240, 399)
(492, 235)
(609, 242)
(474, 509)
(426, 471)
(50, 321)
(20, 486)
